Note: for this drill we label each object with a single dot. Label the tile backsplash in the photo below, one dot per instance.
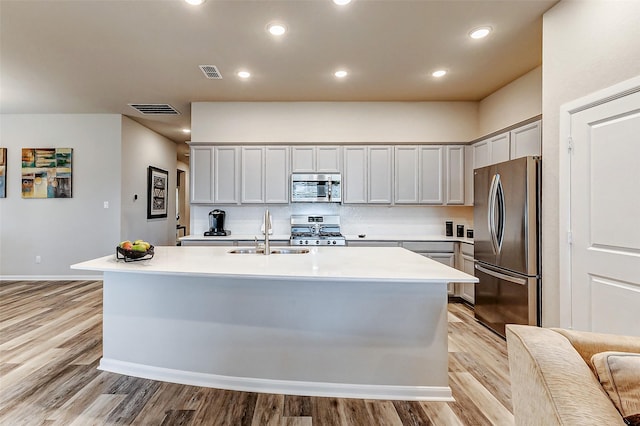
(371, 220)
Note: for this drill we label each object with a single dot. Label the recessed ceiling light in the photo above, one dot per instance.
(244, 74)
(341, 2)
(186, 130)
(276, 29)
(195, 2)
(439, 73)
(481, 32)
(340, 73)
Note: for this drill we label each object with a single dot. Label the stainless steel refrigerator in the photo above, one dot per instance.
(506, 219)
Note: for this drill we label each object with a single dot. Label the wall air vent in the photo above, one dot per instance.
(155, 109)
(211, 71)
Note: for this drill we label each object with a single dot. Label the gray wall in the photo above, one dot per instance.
(587, 46)
(141, 148)
(61, 231)
(110, 158)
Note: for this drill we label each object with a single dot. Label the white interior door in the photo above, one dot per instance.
(604, 216)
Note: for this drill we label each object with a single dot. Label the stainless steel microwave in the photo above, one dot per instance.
(315, 188)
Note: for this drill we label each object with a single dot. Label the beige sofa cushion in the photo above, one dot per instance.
(619, 374)
(551, 384)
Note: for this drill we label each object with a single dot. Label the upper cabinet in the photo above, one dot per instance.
(201, 171)
(380, 174)
(491, 151)
(526, 140)
(276, 175)
(520, 142)
(455, 174)
(316, 159)
(265, 175)
(407, 172)
(368, 174)
(429, 174)
(226, 175)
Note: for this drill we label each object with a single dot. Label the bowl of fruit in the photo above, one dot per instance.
(137, 250)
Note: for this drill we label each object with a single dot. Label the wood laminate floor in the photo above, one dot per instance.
(50, 345)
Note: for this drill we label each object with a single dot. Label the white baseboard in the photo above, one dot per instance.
(287, 387)
(51, 277)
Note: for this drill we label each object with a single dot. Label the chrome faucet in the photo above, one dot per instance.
(267, 229)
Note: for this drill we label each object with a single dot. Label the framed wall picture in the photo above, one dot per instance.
(46, 172)
(157, 184)
(3, 172)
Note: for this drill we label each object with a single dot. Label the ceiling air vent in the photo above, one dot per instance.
(155, 109)
(211, 71)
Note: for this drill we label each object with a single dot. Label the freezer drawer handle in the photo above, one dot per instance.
(515, 280)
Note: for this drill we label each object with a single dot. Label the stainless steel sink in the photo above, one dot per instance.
(289, 251)
(272, 251)
(247, 251)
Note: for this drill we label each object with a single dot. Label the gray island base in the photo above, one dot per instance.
(356, 322)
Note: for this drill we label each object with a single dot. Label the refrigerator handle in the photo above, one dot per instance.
(499, 230)
(515, 280)
(491, 212)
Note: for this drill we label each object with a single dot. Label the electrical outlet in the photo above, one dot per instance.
(106, 204)
(38, 259)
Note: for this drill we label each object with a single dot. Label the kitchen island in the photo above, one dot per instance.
(363, 322)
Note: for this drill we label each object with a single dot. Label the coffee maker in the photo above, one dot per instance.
(216, 224)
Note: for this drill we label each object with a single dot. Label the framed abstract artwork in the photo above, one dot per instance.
(157, 182)
(3, 172)
(46, 172)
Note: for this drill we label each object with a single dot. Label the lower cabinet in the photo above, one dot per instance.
(440, 251)
(467, 291)
(385, 243)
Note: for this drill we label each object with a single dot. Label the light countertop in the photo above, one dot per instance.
(387, 264)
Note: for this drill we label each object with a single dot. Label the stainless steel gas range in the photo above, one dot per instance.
(311, 230)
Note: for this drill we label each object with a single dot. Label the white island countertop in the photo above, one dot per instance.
(390, 264)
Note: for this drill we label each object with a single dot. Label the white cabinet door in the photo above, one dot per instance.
(380, 173)
(481, 154)
(201, 170)
(328, 159)
(455, 175)
(526, 140)
(407, 174)
(226, 174)
(447, 259)
(468, 175)
(303, 159)
(276, 176)
(495, 149)
(467, 291)
(431, 174)
(316, 159)
(500, 150)
(252, 181)
(354, 178)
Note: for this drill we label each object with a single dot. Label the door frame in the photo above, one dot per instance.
(567, 110)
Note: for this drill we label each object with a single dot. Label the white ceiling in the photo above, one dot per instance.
(97, 56)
